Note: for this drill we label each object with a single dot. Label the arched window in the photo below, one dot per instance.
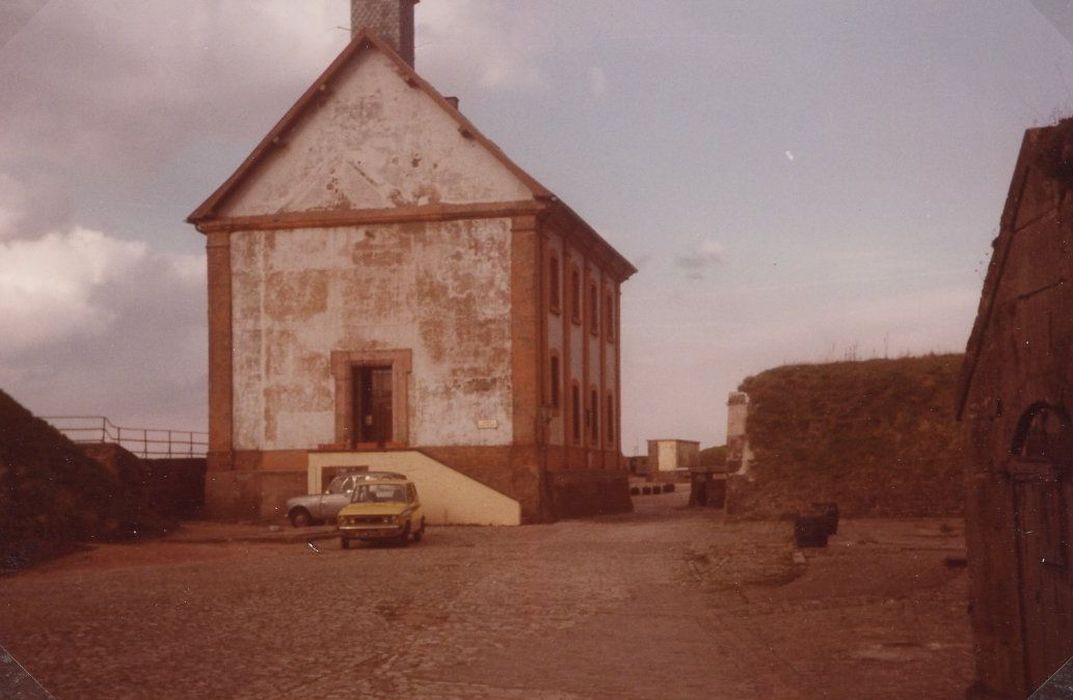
(1040, 457)
(554, 284)
(575, 412)
(610, 413)
(575, 294)
(609, 318)
(555, 380)
(1042, 434)
(594, 311)
(594, 417)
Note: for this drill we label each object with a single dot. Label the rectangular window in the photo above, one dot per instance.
(609, 318)
(554, 284)
(610, 420)
(594, 422)
(575, 411)
(594, 311)
(575, 295)
(555, 382)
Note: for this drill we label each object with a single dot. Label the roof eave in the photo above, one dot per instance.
(995, 270)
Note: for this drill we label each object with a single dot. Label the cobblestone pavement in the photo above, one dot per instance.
(662, 603)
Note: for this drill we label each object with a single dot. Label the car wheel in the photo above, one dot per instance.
(300, 517)
(404, 538)
(345, 542)
(420, 532)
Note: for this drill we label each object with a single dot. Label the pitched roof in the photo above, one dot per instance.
(362, 41)
(997, 267)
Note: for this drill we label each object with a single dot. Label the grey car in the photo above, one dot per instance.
(321, 507)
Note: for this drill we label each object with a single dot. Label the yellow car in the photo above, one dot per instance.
(384, 510)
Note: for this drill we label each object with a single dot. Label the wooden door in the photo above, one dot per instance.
(1041, 489)
(373, 405)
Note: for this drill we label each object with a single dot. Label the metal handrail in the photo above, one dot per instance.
(146, 443)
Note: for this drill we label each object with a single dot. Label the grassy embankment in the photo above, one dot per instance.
(52, 495)
(876, 436)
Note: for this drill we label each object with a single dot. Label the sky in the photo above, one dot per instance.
(795, 181)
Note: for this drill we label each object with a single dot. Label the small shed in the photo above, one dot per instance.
(668, 456)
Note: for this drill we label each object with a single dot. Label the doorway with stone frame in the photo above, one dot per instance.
(371, 398)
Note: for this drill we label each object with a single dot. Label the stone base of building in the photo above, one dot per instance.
(576, 494)
(243, 494)
(257, 494)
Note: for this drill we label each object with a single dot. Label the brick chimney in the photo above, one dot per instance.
(391, 20)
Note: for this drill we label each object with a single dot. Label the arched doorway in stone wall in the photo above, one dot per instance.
(1039, 465)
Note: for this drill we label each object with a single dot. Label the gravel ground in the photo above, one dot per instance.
(666, 602)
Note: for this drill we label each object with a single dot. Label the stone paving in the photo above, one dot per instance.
(666, 602)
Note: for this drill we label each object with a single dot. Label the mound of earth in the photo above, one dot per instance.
(53, 496)
(878, 437)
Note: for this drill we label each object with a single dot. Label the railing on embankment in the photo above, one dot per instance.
(147, 443)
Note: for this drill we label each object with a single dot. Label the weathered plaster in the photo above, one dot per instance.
(374, 142)
(439, 289)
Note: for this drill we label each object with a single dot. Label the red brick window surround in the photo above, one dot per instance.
(555, 382)
(594, 309)
(554, 284)
(575, 294)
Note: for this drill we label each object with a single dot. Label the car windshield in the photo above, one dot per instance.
(379, 493)
(338, 484)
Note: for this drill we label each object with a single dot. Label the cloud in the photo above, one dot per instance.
(709, 253)
(99, 325)
(47, 284)
(500, 44)
(190, 68)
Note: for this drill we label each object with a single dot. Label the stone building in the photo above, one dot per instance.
(387, 288)
(670, 457)
(738, 453)
(1015, 401)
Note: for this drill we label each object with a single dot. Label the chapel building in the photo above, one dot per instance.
(389, 291)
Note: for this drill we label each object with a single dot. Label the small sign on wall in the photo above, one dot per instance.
(487, 424)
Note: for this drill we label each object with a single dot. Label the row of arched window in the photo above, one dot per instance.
(583, 415)
(593, 316)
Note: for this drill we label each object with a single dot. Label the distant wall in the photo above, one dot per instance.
(576, 494)
(177, 486)
(173, 488)
(251, 495)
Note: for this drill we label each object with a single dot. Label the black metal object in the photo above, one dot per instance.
(829, 511)
(147, 443)
(706, 490)
(810, 531)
